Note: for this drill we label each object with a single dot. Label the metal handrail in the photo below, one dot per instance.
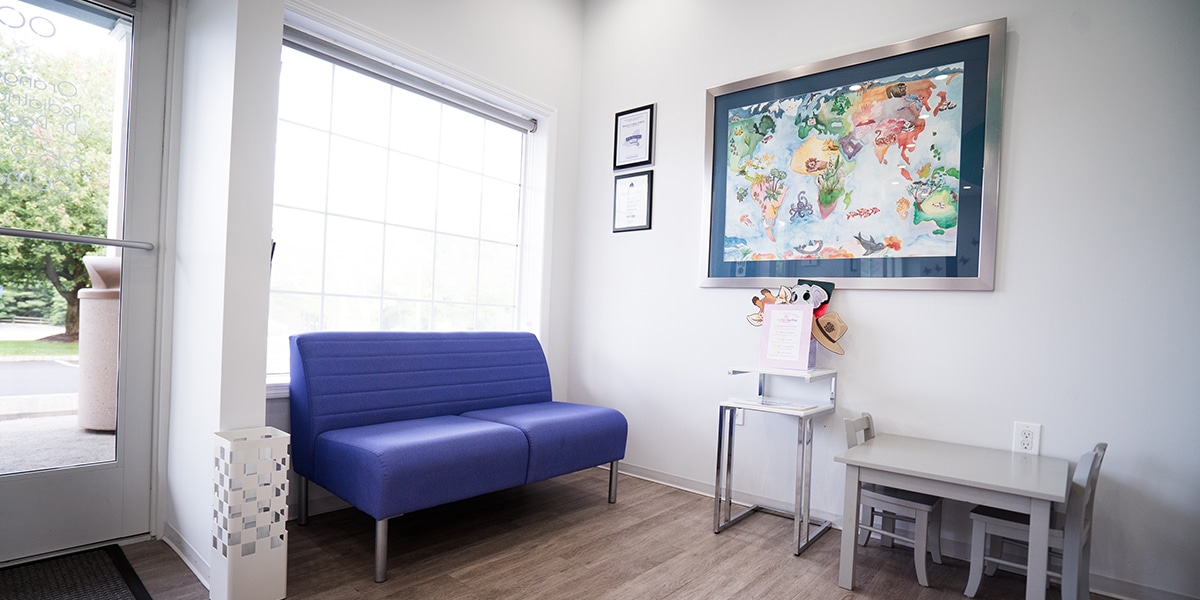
(75, 239)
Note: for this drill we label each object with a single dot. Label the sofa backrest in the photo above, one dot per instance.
(349, 379)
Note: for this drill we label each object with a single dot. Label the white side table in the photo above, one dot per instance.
(723, 516)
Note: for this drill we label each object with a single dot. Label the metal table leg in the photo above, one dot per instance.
(802, 536)
(723, 516)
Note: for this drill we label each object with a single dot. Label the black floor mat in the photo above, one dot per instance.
(97, 574)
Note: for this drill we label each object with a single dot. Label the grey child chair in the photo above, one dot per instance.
(1070, 532)
(890, 505)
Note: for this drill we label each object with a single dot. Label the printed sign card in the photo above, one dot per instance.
(786, 336)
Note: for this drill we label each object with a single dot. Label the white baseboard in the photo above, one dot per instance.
(321, 501)
(190, 556)
(1125, 590)
(1107, 586)
(705, 488)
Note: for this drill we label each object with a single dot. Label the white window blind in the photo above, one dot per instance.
(398, 202)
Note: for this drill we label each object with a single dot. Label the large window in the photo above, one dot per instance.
(63, 69)
(393, 209)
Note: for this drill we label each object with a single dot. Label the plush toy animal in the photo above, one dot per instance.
(811, 293)
(786, 296)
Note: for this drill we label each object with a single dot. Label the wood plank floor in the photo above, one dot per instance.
(561, 540)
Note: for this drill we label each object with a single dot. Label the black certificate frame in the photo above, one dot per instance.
(633, 138)
(633, 195)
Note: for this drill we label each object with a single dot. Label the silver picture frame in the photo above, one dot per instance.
(980, 48)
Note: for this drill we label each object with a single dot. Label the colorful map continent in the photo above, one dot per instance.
(783, 152)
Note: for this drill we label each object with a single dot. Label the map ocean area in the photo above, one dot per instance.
(858, 171)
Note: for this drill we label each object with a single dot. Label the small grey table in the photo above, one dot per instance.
(723, 516)
(1018, 482)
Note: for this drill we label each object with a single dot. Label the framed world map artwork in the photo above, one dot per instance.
(878, 169)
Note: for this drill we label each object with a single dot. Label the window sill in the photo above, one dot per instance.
(277, 386)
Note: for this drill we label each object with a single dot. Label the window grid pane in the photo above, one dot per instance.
(392, 211)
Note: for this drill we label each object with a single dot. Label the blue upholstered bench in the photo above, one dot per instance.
(393, 422)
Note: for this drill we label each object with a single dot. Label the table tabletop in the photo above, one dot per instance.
(808, 375)
(1029, 475)
(780, 406)
(1021, 482)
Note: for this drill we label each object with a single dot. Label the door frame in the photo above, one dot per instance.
(74, 507)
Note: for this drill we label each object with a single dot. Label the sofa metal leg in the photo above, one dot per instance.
(381, 527)
(303, 517)
(612, 482)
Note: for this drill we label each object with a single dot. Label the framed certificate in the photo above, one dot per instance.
(633, 143)
(631, 201)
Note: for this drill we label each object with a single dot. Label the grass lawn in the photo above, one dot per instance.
(38, 348)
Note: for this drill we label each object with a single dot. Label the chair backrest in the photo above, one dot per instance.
(355, 378)
(862, 424)
(1082, 496)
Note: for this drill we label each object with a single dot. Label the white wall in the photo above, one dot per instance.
(1085, 333)
(227, 77)
(1090, 331)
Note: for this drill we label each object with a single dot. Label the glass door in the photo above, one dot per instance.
(81, 114)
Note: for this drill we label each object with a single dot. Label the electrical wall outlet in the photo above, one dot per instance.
(1027, 437)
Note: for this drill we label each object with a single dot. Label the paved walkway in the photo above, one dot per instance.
(51, 442)
(38, 405)
(41, 431)
(41, 358)
(24, 331)
(42, 405)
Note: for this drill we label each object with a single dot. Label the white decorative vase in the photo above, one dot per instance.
(249, 528)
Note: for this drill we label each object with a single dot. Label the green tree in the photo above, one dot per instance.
(56, 115)
(40, 301)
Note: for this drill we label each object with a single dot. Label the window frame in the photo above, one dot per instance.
(397, 65)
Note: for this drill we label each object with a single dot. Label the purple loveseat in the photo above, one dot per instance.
(393, 422)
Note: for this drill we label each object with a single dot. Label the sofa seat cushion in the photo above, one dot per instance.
(389, 469)
(563, 437)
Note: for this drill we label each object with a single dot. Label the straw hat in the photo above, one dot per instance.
(829, 329)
